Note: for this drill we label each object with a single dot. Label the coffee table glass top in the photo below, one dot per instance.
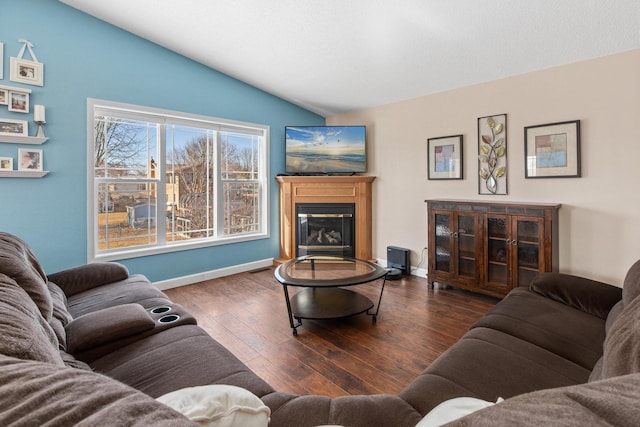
(327, 271)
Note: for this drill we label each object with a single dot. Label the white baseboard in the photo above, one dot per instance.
(212, 274)
(241, 268)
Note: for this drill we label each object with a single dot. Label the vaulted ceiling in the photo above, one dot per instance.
(334, 56)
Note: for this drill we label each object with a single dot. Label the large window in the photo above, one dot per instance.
(162, 181)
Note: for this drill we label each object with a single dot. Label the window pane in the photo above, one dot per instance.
(125, 148)
(190, 173)
(129, 216)
(240, 156)
(241, 207)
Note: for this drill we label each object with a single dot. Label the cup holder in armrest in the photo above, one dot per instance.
(169, 318)
(169, 315)
(160, 310)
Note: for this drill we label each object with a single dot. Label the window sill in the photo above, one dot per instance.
(116, 255)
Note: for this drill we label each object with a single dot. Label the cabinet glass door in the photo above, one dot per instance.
(466, 239)
(498, 250)
(443, 242)
(528, 241)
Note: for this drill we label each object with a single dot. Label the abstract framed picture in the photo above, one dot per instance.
(492, 154)
(29, 159)
(444, 157)
(552, 150)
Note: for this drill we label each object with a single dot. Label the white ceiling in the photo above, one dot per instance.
(334, 56)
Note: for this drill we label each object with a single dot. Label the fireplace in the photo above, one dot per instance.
(321, 190)
(325, 229)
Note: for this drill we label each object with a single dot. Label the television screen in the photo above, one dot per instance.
(325, 149)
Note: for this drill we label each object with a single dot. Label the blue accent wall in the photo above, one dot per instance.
(87, 58)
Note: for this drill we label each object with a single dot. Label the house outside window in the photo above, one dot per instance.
(161, 181)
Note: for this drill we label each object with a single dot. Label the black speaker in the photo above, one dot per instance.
(399, 258)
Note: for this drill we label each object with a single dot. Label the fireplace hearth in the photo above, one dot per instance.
(325, 229)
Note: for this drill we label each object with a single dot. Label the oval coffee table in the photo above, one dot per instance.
(324, 279)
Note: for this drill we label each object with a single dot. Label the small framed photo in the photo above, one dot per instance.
(4, 97)
(10, 127)
(29, 159)
(6, 163)
(444, 157)
(552, 150)
(1, 60)
(19, 102)
(25, 71)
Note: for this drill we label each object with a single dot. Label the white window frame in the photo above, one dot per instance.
(174, 117)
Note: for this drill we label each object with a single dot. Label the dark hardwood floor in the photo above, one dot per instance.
(247, 313)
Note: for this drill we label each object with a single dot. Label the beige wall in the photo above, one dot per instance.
(600, 214)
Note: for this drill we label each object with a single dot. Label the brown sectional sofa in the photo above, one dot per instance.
(94, 345)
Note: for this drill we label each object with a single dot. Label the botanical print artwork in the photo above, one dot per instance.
(551, 150)
(492, 150)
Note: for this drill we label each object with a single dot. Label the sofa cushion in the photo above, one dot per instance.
(218, 405)
(622, 345)
(179, 357)
(631, 285)
(589, 296)
(135, 289)
(19, 262)
(583, 294)
(87, 276)
(25, 333)
(610, 402)
(58, 396)
(72, 362)
(107, 325)
(363, 410)
(60, 316)
(561, 329)
(488, 364)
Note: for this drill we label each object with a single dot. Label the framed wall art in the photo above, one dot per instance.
(444, 157)
(6, 163)
(4, 97)
(25, 71)
(492, 154)
(18, 102)
(29, 159)
(10, 127)
(552, 150)
(1, 60)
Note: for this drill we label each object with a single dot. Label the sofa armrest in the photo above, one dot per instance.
(584, 294)
(107, 326)
(88, 276)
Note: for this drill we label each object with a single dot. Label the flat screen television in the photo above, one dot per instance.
(314, 150)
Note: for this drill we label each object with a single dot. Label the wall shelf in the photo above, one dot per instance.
(22, 174)
(16, 89)
(19, 139)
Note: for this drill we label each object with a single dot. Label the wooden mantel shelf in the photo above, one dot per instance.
(325, 189)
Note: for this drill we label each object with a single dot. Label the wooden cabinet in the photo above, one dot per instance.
(457, 250)
(490, 248)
